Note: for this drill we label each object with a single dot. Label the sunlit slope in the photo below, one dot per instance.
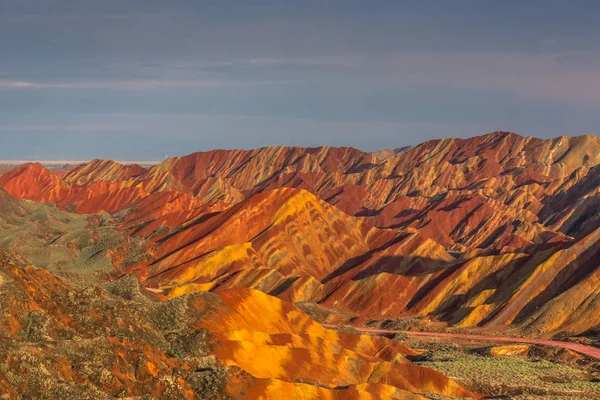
(270, 338)
(548, 292)
(285, 242)
(499, 192)
(287, 230)
(482, 232)
(102, 171)
(34, 182)
(300, 248)
(116, 340)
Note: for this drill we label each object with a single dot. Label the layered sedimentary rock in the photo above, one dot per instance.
(497, 192)
(492, 231)
(34, 182)
(293, 245)
(118, 340)
(102, 171)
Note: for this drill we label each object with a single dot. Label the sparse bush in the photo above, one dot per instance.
(512, 376)
(35, 326)
(209, 383)
(171, 315)
(400, 324)
(126, 287)
(197, 343)
(70, 208)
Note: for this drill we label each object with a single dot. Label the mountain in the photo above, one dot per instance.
(501, 171)
(285, 242)
(195, 278)
(10, 208)
(83, 246)
(301, 249)
(34, 182)
(101, 171)
(429, 231)
(448, 189)
(116, 340)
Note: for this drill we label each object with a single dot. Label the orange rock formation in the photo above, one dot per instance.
(490, 231)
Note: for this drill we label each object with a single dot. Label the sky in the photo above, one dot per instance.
(143, 79)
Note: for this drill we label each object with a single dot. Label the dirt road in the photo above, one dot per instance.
(587, 350)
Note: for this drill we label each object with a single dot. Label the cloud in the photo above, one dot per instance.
(31, 18)
(249, 131)
(133, 85)
(264, 61)
(109, 85)
(16, 84)
(544, 75)
(579, 60)
(340, 60)
(535, 75)
(60, 128)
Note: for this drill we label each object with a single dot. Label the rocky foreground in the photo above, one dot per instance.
(117, 340)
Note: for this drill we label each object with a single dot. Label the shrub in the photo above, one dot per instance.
(400, 337)
(35, 326)
(197, 343)
(209, 383)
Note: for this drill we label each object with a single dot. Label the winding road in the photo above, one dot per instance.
(587, 350)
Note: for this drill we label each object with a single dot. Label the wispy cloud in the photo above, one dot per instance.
(31, 18)
(569, 76)
(113, 85)
(536, 75)
(339, 60)
(195, 132)
(264, 61)
(60, 128)
(127, 85)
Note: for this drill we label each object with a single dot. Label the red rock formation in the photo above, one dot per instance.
(34, 182)
(102, 171)
(287, 235)
(102, 197)
(501, 204)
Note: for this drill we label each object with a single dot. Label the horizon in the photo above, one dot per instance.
(62, 162)
(144, 78)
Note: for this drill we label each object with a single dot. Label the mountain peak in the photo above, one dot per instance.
(33, 181)
(102, 170)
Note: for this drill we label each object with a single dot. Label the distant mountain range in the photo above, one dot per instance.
(494, 233)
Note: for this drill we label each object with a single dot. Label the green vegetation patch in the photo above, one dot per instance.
(66, 243)
(512, 376)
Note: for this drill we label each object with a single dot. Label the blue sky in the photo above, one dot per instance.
(138, 79)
